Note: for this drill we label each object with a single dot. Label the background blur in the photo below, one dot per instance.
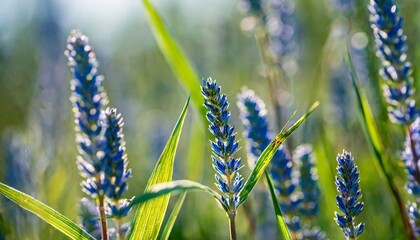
(38, 151)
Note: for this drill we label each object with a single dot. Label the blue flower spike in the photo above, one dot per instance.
(89, 99)
(224, 146)
(253, 114)
(387, 26)
(348, 200)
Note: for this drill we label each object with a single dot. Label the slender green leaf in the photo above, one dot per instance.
(368, 121)
(179, 63)
(149, 216)
(268, 154)
(174, 187)
(174, 214)
(372, 134)
(281, 223)
(46, 213)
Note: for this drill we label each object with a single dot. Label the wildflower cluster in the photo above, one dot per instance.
(298, 197)
(102, 160)
(347, 182)
(387, 27)
(308, 183)
(224, 147)
(391, 46)
(89, 99)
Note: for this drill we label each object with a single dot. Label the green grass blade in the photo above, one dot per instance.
(178, 62)
(268, 154)
(372, 134)
(149, 216)
(368, 121)
(281, 223)
(174, 187)
(171, 220)
(46, 213)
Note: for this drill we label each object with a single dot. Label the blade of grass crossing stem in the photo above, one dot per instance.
(46, 213)
(178, 62)
(148, 219)
(174, 187)
(368, 120)
(268, 154)
(174, 214)
(281, 223)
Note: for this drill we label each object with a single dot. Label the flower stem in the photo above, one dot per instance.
(232, 225)
(104, 229)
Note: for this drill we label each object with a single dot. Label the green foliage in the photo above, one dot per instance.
(149, 216)
(174, 187)
(174, 214)
(268, 154)
(180, 65)
(281, 223)
(46, 213)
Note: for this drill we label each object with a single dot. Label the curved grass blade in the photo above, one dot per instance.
(178, 62)
(368, 121)
(268, 154)
(149, 216)
(46, 213)
(372, 134)
(171, 220)
(281, 223)
(174, 187)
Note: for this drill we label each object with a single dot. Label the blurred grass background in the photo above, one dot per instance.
(34, 90)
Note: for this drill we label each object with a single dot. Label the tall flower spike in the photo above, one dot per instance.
(88, 98)
(116, 172)
(308, 182)
(391, 46)
(411, 149)
(303, 156)
(253, 114)
(228, 179)
(347, 182)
